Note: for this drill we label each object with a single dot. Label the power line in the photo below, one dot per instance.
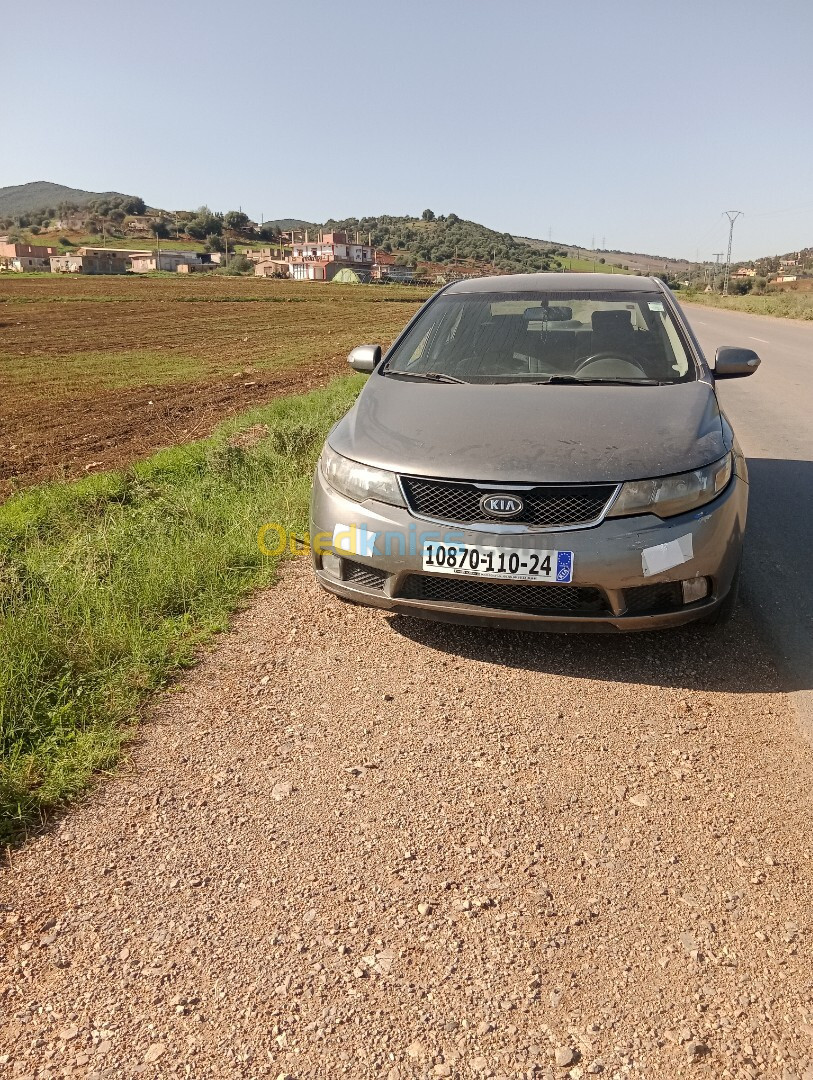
(717, 256)
(732, 216)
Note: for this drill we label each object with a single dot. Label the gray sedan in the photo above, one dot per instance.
(544, 451)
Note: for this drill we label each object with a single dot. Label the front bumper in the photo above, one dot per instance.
(607, 564)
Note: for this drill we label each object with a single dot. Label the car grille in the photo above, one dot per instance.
(535, 599)
(653, 599)
(545, 505)
(369, 576)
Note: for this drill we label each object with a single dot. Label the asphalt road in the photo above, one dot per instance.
(772, 412)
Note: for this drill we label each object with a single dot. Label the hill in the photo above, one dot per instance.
(634, 261)
(26, 198)
(287, 223)
(446, 239)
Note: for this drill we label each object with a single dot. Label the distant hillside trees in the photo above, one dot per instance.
(205, 224)
(447, 240)
(236, 220)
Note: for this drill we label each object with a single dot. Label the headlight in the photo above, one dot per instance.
(359, 482)
(670, 495)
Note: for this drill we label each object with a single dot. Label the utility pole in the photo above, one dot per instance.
(732, 216)
(717, 256)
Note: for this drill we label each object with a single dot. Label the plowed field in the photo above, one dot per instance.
(98, 371)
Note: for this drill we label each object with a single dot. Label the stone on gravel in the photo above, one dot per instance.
(564, 1056)
(695, 1051)
(156, 1051)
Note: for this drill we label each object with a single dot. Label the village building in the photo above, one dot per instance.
(145, 262)
(382, 271)
(26, 258)
(272, 268)
(139, 223)
(89, 260)
(323, 258)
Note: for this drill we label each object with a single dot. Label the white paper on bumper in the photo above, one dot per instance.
(655, 560)
(354, 539)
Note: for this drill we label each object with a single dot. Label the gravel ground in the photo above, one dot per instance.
(349, 844)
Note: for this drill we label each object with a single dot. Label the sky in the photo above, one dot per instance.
(637, 122)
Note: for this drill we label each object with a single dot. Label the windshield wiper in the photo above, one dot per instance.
(571, 379)
(432, 376)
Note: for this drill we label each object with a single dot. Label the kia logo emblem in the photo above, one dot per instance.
(501, 505)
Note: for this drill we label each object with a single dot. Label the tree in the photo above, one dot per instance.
(133, 205)
(160, 229)
(452, 219)
(428, 215)
(239, 264)
(235, 219)
(214, 242)
(268, 232)
(205, 223)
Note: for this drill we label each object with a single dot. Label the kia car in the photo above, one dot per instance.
(540, 451)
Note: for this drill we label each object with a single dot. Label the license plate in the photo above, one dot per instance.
(514, 564)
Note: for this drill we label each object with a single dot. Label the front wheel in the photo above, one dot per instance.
(724, 613)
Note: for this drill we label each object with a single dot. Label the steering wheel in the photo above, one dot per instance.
(632, 367)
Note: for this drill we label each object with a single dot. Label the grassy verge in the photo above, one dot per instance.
(591, 266)
(109, 585)
(784, 305)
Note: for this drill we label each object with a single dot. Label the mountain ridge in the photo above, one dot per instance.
(24, 198)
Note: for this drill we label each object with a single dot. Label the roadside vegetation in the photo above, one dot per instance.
(786, 304)
(110, 585)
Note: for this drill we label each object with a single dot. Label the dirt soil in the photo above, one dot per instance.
(96, 372)
(45, 438)
(350, 844)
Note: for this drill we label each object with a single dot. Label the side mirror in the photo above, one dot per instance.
(364, 358)
(731, 362)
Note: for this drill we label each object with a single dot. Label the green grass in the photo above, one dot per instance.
(129, 367)
(784, 305)
(589, 266)
(110, 585)
(134, 241)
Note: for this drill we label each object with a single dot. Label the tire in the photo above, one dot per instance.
(725, 612)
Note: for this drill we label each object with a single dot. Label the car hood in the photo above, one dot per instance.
(556, 433)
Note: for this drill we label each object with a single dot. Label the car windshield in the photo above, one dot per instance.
(609, 337)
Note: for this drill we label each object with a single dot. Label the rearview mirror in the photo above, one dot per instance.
(364, 358)
(731, 362)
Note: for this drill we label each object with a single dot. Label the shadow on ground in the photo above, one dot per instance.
(729, 659)
(774, 621)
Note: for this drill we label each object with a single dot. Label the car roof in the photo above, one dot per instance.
(557, 283)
